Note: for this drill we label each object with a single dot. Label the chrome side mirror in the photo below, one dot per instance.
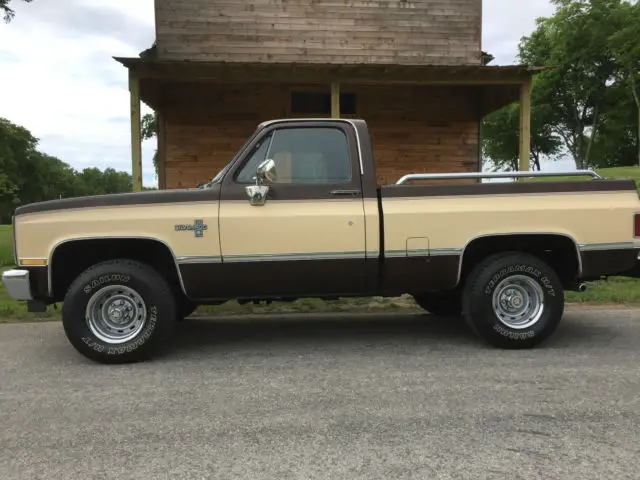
(266, 171)
(257, 193)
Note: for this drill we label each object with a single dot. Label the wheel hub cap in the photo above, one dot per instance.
(518, 301)
(116, 314)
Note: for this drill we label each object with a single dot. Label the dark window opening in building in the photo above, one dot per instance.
(319, 103)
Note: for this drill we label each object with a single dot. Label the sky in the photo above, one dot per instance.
(58, 78)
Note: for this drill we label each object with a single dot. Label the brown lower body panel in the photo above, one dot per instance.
(596, 263)
(272, 279)
(316, 278)
(416, 275)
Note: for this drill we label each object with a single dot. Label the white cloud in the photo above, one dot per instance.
(505, 22)
(63, 84)
(60, 81)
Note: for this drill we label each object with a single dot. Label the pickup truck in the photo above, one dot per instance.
(298, 213)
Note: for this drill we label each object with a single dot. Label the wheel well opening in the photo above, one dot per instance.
(558, 251)
(71, 258)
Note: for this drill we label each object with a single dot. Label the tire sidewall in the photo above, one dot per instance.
(160, 312)
(484, 318)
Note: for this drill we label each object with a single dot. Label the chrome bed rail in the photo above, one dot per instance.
(458, 176)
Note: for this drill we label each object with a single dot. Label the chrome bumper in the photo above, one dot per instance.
(17, 284)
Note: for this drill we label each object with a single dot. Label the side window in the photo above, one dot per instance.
(311, 155)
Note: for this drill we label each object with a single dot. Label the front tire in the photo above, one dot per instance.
(513, 300)
(118, 311)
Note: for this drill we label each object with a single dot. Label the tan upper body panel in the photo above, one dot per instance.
(346, 227)
(451, 222)
(39, 233)
(332, 227)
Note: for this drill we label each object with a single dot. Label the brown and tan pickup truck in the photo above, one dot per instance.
(298, 213)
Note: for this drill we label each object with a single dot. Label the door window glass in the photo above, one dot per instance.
(303, 155)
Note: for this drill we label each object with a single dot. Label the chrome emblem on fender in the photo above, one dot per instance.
(198, 227)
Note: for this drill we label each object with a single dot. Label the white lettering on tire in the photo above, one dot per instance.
(534, 272)
(513, 335)
(102, 279)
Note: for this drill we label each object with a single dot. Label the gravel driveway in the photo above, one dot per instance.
(331, 397)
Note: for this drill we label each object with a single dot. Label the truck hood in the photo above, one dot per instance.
(148, 197)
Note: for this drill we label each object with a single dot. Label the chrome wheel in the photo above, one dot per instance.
(518, 302)
(116, 314)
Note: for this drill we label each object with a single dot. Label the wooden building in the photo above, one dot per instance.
(413, 69)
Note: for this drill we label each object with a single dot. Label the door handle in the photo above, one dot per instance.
(350, 193)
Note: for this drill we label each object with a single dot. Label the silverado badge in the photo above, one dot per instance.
(198, 227)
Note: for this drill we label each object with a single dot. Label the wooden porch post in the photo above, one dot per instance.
(335, 100)
(136, 132)
(525, 126)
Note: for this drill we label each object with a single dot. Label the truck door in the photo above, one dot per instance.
(308, 237)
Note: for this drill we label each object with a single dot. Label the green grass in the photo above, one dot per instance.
(620, 172)
(6, 246)
(620, 290)
(632, 173)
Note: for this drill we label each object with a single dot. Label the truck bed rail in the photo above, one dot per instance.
(458, 176)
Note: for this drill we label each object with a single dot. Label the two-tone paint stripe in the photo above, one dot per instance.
(362, 254)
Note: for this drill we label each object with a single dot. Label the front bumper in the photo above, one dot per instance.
(18, 284)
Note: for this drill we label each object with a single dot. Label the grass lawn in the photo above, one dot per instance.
(615, 290)
(632, 173)
(6, 246)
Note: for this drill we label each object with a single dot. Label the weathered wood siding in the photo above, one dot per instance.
(320, 31)
(420, 129)
(205, 126)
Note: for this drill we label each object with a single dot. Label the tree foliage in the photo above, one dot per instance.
(625, 46)
(500, 132)
(150, 130)
(587, 102)
(7, 12)
(28, 175)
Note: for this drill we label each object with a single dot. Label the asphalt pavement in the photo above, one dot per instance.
(327, 397)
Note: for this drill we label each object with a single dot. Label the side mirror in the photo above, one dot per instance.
(266, 171)
(257, 193)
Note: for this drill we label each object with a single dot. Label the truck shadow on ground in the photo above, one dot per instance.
(331, 330)
(319, 328)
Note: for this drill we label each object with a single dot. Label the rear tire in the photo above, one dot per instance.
(513, 300)
(118, 311)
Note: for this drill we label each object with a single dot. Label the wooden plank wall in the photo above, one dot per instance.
(207, 124)
(419, 129)
(325, 31)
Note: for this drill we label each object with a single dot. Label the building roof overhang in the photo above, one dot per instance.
(496, 86)
(379, 73)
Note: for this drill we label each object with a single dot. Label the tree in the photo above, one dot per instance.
(150, 130)
(616, 143)
(17, 148)
(625, 45)
(501, 135)
(28, 175)
(7, 11)
(575, 42)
